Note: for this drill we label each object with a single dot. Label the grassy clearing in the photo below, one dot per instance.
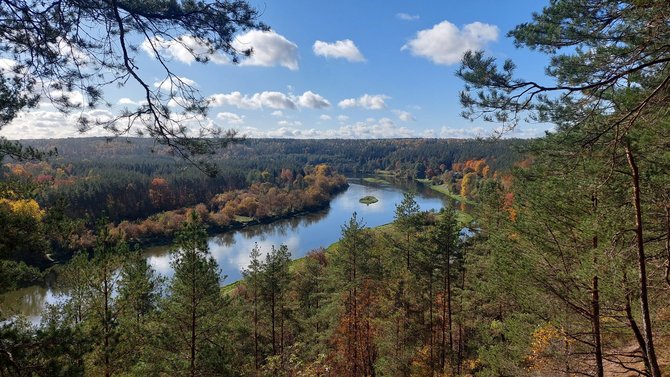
(376, 180)
(243, 219)
(446, 190)
(368, 200)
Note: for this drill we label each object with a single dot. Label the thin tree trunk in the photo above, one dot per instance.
(430, 323)
(460, 326)
(597, 338)
(256, 361)
(272, 313)
(636, 331)
(451, 337)
(443, 348)
(642, 266)
(595, 302)
(106, 319)
(193, 313)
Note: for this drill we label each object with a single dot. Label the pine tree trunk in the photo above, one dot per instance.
(451, 338)
(595, 302)
(636, 330)
(106, 326)
(256, 361)
(430, 323)
(642, 266)
(597, 338)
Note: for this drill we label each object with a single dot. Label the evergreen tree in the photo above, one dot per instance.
(191, 319)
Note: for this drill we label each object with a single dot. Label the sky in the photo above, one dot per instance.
(336, 69)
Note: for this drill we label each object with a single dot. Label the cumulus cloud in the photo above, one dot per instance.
(277, 113)
(267, 99)
(368, 129)
(445, 43)
(230, 118)
(366, 101)
(270, 49)
(185, 49)
(272, 100)
(312, 100)
(296, 123)
(127, 101)
(344, 49)
(407, 16)
(342, 118)
(447, 132)
(405, 116)
(325, 117)
(44, 124)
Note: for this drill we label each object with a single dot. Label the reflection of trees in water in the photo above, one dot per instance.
(283, 227)
(29, 301)
(224, 239)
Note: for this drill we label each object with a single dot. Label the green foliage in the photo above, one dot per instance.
(191, 325)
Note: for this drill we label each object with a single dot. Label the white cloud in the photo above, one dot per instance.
(270, 99)
(126, 101)
(344, 49)
(45, 124)
(366, 101)
(429, 133)
(325, 117)
(447, 132)
(342, 118)
(185, 49)
(277, 113)
(405, 116)
(267, 99)
(296, 123)
(269, 49)
(75, 98)
(444, 43)
(230, 118)
(172, 84)
(407, 16)
(312, 100)
(7, 65)
(369, 129)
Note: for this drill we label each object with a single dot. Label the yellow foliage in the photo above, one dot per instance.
(28, 207)
(543, 338)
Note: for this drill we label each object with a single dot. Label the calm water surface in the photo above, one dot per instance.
(231, 249)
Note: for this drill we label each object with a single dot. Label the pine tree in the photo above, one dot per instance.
(192, 313)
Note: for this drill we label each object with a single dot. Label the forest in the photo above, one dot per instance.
(561, 268)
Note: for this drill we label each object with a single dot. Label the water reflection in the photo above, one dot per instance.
(301, 234)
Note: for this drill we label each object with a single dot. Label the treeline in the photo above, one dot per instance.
(344, 155)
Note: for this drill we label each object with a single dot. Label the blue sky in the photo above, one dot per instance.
(345, 69)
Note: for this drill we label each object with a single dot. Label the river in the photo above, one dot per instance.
(231, 249)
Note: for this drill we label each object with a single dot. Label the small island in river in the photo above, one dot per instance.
(368, 200)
